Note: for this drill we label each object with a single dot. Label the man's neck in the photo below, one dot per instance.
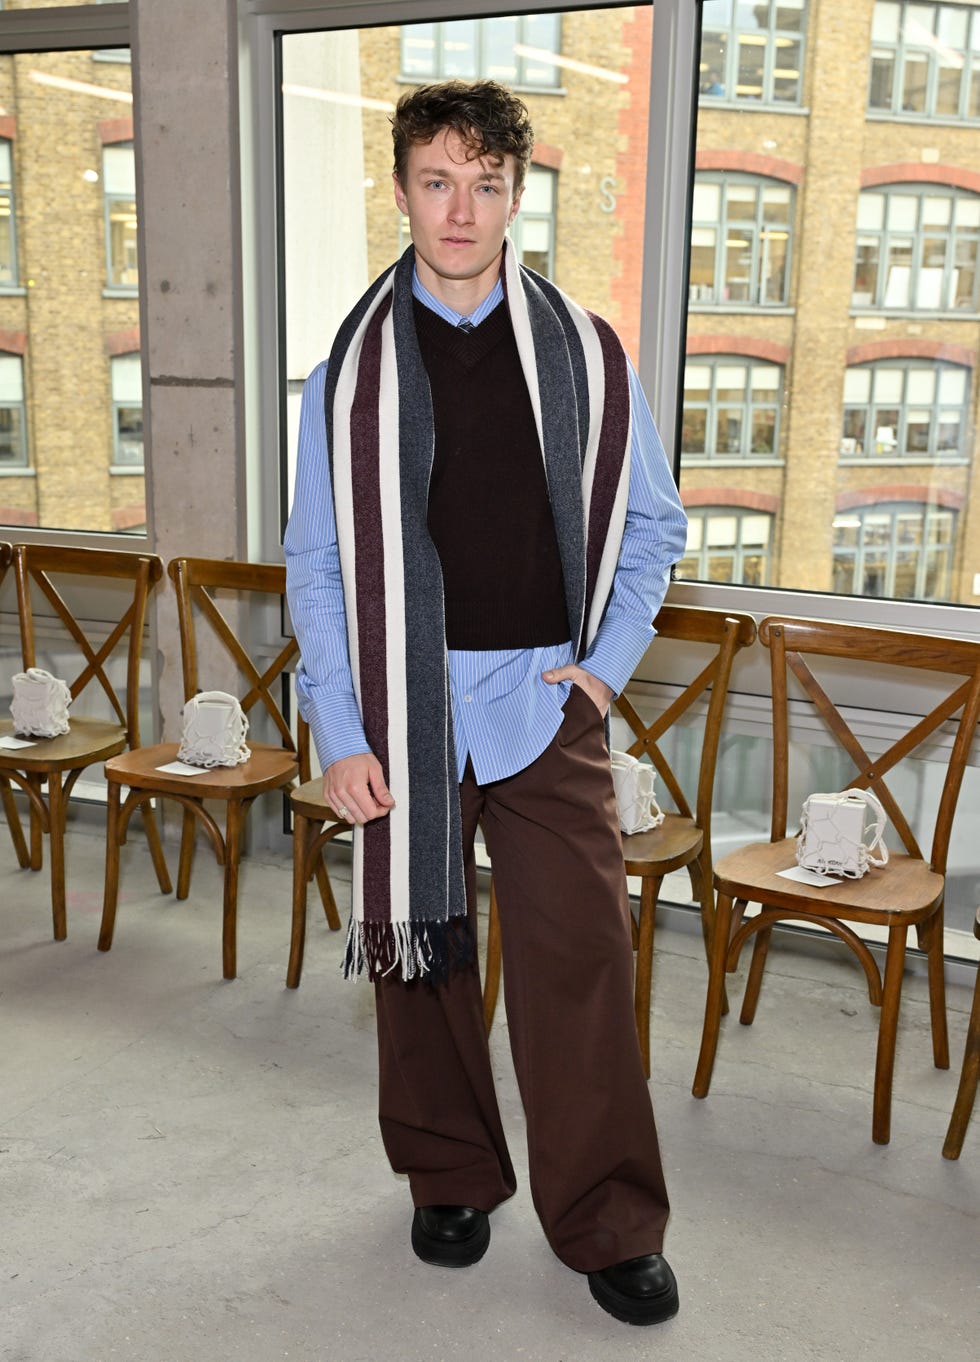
(462, 295)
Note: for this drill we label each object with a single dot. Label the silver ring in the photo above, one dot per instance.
(344, 811)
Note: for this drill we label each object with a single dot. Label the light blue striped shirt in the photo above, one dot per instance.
(504, 714)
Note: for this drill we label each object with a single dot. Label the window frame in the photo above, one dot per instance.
(13, 283)
(519, 83)
(928, 513)
(732, 34)
(901, 49)
(748, 406)
(758, 227)
(901, 455)
(21, 464)
(887, 240)
(718, 511)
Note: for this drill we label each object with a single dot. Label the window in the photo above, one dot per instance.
(917, 249)
(740, 241)
(533, 230)
(898, 550)
(517, 50)
(726, 545)
(731, 408)
(905, 410)
(925, 59)
(8, 238)
(127, 412)
(753, 51)
(119, 179)
(13, 431)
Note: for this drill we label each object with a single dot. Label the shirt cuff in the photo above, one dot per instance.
(616, 653)
(335, 724)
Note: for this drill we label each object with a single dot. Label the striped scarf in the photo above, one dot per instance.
(409, 904)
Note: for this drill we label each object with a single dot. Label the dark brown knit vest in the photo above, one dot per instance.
(489, 513)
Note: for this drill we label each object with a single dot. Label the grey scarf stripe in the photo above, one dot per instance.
(426, 935)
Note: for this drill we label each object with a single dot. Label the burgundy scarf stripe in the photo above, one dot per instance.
(365, 439)
(613, 445)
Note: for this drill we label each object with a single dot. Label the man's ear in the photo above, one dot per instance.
(515, 205)
(400, 198)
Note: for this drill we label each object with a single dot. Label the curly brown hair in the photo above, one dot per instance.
(489, 119)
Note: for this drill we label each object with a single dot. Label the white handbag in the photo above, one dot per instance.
(39, 707)
(835, 836)
(214, 731)
(635, 801)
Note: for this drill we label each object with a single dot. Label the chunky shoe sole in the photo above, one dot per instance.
(451, 1252)
(634, 1309)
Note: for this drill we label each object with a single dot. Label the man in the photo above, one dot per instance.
(483, 528)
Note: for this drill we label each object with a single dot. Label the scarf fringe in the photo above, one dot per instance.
(427, 950)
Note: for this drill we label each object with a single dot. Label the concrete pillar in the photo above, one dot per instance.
(186, 129)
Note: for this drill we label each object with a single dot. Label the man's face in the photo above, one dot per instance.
(458, 210)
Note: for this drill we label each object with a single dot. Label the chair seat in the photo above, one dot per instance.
(308, 800)
(905, 888)
(91, 739)
(266, 769)
(671, 846)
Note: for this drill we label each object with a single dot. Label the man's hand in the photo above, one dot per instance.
(355, 788)
(598, 692)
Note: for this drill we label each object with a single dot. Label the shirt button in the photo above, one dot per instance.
(467, 698)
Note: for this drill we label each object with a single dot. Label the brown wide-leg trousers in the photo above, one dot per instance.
(595, 1171)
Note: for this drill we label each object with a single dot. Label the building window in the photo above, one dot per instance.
(8, 238)
(127, 412)
(753, 51)
(740, 241)
(731, 408)
(726, 544)
(13, 427)
(119, 181)
(905, 410)
(533, 230)
(902, 551)
(925, 59)
(917, 249)
(516, 50)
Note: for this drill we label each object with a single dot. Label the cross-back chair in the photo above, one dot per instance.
(84, 654)
(809, 659)
(683, 840)
(314, 825)
(208, 592)
(6, 794)
(967, 1092)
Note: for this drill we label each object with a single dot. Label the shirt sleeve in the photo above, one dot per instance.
(314, 590)
(654, 539)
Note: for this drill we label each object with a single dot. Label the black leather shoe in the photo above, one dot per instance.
(638, 1291)
(450, 1236)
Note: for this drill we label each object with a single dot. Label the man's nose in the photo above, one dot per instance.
(460, 208)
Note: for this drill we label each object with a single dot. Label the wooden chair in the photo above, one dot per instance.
(908, 891)
(967, 1093)
(683, 839)
(50, 571)
(314, 825)
(271, 766)
(6, 793)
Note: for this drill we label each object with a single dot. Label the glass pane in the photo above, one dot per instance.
(920, 386)
(787, 71)
(68, 264)
(499, 59)
(458, 55)
(857, 385)
(728, 430)
(764, 430)
(751, 67)
(419, 50)
(882, 78)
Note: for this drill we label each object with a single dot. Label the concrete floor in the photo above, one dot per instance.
(190, 1170)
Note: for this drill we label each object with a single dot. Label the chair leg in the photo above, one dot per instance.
(967, 1091)
(152, 835)
(13, 823)
(303, 832)
(649, 893)
(56, 833)
(491, 967)
(188, 831)
(234, 829)
(716, 990)
(37, 827)
(704, 893)
(326, 895)
(110, 894)
(753, 983)
(887, 1034)
(931, 938)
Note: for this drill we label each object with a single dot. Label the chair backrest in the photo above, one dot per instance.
(54, 573)
(810, 658)
(213, 590)
(725, 633)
